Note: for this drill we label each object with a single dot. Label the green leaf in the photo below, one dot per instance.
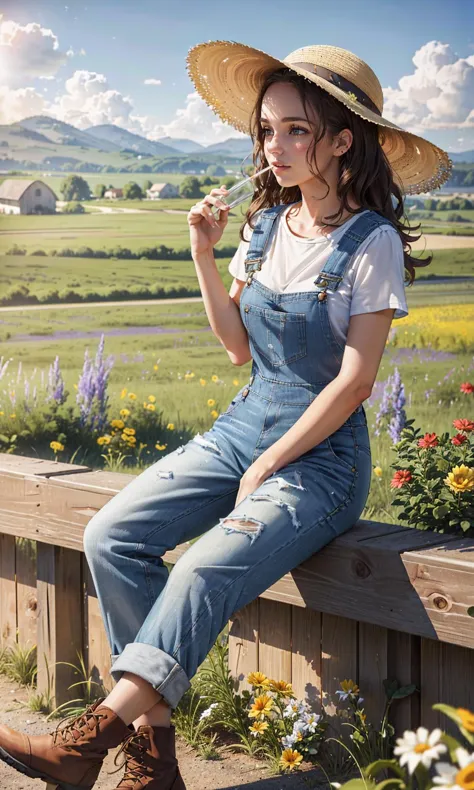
(379, 765)
(466, 525)
(440, 511)
(358, 784)
(405, 691)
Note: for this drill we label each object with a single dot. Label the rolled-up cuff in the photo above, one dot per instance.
(155, 666)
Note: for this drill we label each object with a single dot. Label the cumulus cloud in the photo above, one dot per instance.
(89, 101)
(438, 95)
(151, 81)
(18, 104)
(28, 51)
(195, 121)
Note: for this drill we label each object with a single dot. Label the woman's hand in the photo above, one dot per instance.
(204, 229)
(255, 475)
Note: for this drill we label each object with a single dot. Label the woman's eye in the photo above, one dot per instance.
(292, 129)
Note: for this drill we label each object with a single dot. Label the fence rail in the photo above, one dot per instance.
(380, 601)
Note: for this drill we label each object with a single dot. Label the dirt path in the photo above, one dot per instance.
(230, 772)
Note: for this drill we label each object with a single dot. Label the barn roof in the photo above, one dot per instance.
(14, 188)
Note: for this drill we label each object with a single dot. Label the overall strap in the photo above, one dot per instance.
(259, 240)
(335, 267)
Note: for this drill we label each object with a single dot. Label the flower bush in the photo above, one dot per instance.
(424, 760)
(434, 478)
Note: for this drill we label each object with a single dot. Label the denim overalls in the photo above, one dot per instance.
(161, 626)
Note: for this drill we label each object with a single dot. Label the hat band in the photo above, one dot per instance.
(340, 82)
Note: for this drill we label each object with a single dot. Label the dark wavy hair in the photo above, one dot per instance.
(364, 170)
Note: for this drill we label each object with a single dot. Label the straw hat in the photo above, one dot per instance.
(228, 75)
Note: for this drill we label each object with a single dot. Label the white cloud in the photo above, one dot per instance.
(18, 104)
(151, 81)
(28, 51)
(195, 121)
(89, 101)
(438, 95)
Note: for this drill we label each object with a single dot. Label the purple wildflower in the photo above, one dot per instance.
(55, 388)
(92, 395)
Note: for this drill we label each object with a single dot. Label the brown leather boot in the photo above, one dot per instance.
(150, 760)
(71, 757)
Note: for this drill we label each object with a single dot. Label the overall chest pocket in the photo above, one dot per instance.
(278, 336)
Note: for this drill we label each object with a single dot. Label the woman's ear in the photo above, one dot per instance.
(342, 142)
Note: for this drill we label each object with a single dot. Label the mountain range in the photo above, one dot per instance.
(47, 142)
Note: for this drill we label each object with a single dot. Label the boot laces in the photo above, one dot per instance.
(134, 751)
(75, 729)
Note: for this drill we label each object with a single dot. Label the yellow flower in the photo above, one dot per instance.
(378, 471)
(124, 412)
(235, 382)
(75, 386)
(349, 687)
(259, 727)
(117, 424)
(12, 416)
(189, 375)
(103, 440)
(155, 367)
(461, 478)
(123, 393)
(202, 382)
(151, 407)
(131, 440)
(211, 402)
(152, 399)
(281, 686)
(214, 377)
(56, 446)
(352, 96)
(214, 413)
(170, 426)
(261, 707)
(132, 396)
(2, 413)
(257, 679)
(130, 431)
(290, 759)
(161, 446)
(467, 718)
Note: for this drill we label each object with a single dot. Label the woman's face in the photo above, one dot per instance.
(287, 142)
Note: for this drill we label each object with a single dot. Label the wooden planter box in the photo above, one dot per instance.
(380, 601)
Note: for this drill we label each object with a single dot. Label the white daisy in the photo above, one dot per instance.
(450, 778)
(419, 747)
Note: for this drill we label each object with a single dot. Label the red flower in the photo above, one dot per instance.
(464, 425)
(400, 477)
(460, 438)
(467, 387)
(428, 440)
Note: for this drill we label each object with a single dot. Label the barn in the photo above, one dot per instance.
(20, 196)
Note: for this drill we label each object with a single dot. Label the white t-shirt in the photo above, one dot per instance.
(374, 279)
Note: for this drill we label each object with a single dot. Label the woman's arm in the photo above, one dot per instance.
(366, 339)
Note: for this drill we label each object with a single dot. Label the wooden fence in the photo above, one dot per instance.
(380, 601)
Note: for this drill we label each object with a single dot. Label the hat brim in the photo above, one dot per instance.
(228, 77)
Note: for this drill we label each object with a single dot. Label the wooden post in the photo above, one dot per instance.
(60, 624)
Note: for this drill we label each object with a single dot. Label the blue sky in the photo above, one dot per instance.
(128, 43)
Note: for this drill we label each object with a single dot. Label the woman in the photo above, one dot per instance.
(287, 467)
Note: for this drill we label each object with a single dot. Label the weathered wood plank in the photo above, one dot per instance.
(27, 604)
(373, 658)
(306, 635)
(274, 633)
(404, 665)
(443, 579)
(60, 626)
(98, 652)
(339, 662)
(7, 591)
(243, 644)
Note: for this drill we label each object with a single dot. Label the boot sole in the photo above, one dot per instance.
(53, 784)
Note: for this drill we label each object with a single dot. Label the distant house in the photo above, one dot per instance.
(113, 193)
(162, 191)
(20, 196)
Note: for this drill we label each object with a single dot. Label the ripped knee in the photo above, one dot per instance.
(243, 524)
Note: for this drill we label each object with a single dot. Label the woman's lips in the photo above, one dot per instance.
(281, 167)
